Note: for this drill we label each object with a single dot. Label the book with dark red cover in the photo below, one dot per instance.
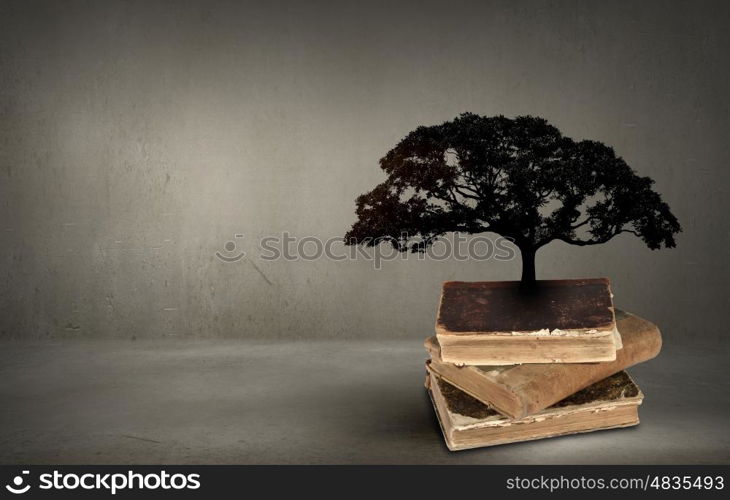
(501, 322)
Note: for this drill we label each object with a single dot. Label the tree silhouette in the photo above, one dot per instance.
(519, 178)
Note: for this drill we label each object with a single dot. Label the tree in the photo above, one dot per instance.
(519, 178)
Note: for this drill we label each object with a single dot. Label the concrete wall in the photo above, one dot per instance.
(137, 138)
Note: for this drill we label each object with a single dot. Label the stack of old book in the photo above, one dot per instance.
(513, 364)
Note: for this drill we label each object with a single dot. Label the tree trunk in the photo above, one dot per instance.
(528, 267)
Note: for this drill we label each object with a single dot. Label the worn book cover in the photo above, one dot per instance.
(499, 322)
(520, 390)
(468, 423)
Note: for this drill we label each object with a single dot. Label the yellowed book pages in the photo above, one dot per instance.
(520, 390)
(468, 423)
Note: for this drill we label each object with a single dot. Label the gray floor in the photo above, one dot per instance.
(316, 402)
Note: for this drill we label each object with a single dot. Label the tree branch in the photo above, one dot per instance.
(459, 187)
(576, 226)
(598, 241)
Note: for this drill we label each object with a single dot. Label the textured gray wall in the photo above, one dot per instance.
(137, 138)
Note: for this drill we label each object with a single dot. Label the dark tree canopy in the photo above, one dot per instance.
(519, 178)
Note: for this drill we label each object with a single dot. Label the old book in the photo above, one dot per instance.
(468, 423)
(520, 390)
(498, 322)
